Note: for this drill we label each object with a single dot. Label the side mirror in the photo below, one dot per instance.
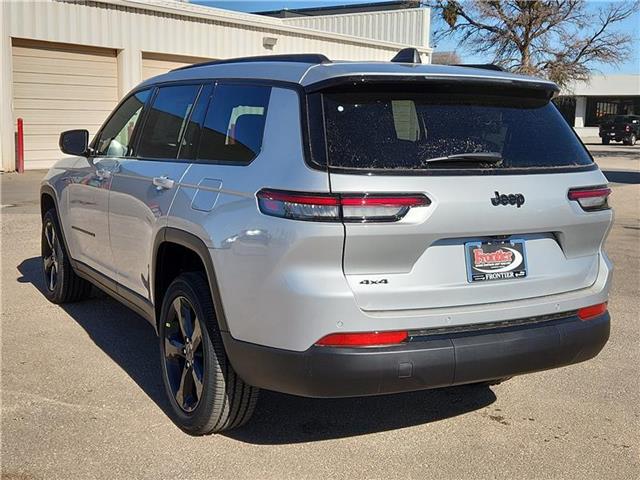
(75, 142)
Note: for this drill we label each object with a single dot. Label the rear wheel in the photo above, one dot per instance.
(61, 284)
(632, 140)
(605, 141)
(205, 393)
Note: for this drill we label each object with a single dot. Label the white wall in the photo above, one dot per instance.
(7, 129)
(159, 26)
(606, 86)
(581, 112)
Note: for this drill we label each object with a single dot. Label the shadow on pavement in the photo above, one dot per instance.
(282, 419)
(622, 176)
(629, 153)
(279, 419)
(127, 338)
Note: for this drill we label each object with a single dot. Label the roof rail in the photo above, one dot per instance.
(407, 55)
(484, 66)
(314, 58)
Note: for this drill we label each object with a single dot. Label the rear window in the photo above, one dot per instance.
(446, 129)
(621, 119)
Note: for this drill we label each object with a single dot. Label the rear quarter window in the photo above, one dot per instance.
(386, 130)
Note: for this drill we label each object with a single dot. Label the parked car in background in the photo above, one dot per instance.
(620, 128)
(335, 229)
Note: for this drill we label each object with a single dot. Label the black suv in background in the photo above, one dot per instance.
(620, 128)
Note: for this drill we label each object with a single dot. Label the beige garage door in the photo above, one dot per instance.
(58, 87)
(156, 64)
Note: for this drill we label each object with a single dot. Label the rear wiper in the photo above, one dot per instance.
(480, 157)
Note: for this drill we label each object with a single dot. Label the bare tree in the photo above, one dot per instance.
(562, 40)
(446, 58)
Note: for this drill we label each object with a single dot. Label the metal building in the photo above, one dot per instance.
(66, 63)
(408, 27)
(585, 104)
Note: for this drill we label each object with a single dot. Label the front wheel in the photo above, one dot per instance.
(205, 393)
(61, 284)
(632, 140)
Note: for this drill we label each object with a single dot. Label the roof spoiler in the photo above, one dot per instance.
(361, 80)
(411, 55)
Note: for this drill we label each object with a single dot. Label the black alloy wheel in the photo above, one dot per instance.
(61, 283)
(184, 354)
(205, 394)
(50, 262)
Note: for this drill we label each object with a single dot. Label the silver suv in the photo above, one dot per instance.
(334, 229)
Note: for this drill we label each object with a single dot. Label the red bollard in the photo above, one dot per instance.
(20, 147)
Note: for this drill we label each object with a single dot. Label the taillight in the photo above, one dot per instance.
(366, 207)
(591, 198)
(299, 206)
(627, 128)
(364, 339)
(593, 311)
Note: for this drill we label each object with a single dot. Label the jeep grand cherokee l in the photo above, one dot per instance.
(335, 229)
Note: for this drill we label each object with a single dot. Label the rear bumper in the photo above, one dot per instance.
(617, 136)
(424, 362)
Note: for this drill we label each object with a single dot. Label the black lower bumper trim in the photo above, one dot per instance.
(432, 362)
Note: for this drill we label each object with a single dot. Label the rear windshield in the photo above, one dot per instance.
(420, 131)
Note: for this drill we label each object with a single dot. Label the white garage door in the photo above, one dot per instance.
(156, 64)
(58, 87)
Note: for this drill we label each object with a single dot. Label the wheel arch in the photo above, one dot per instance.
(49, 199)
(169, 235)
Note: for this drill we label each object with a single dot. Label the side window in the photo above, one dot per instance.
(234, 125)
(167, 121)
(115, 138)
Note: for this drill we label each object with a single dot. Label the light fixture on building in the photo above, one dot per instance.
(269, 42)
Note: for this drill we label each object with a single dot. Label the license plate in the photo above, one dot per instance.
(498, 260)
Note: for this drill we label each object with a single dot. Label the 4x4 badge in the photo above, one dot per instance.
(510, 199)
(382, 281)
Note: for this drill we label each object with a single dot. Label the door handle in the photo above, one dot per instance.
(163, 183)
(103, 174)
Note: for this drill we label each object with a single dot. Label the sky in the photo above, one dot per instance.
(631, 25)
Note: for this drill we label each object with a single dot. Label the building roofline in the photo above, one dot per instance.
(335, 9)
(249, 20)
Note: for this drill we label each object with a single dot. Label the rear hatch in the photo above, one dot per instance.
(496, 164)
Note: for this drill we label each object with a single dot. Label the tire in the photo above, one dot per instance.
(205, 394)
(605, 141)
(61, 284)
(632, 139)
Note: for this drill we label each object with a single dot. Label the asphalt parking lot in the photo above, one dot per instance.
(82, 394)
